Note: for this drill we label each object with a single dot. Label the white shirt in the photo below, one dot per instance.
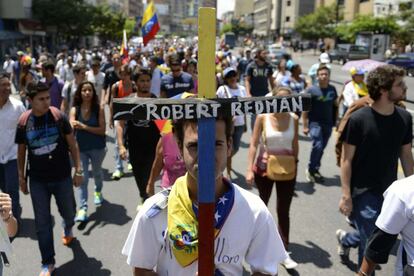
(278, 76)
(9, 116)
(397, 217)
(97, 80)
(68, 93)
(66, 73)
(8, 66)
(349, 93)
(249, 234)
(225, 91)
(156, 82)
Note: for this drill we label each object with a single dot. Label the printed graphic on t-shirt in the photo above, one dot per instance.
(42, 140)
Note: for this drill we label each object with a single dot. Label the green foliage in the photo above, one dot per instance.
(226, 28)
(366, 23)
(237, 27)
(71, 17)
(108, 24)
(320, 24)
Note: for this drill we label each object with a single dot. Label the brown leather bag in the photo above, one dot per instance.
(281, 167)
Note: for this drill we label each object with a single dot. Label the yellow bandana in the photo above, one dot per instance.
(360, 88)
(182, 223)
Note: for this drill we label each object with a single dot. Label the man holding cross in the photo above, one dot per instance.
(164, 237)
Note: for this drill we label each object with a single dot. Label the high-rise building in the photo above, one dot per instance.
(261, 17)
(133, 8)
(291, 10)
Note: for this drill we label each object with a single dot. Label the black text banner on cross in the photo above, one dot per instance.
(196, 108)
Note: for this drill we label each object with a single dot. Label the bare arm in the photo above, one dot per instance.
(143, 272)
(295, 142)
(111, 108)
(254, 142)
(247, 85)
(74, 152)
(21, 168)
(367, 266)
(64, 105)
(345, 204)
(157, 166)
(305, 122)
(406, 158)
(272, 81)
(99, 130)
(120, 126)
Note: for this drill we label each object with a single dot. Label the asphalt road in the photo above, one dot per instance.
(97, 250)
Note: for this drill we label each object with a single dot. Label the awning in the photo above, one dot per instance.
(31, 27)
(10, 35)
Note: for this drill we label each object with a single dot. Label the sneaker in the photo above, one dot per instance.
(67, 238)
(81, 216)
(117, 175)
(98, 199)
(343, 251)
(47, 270)
(129, 167)
(318, 177)
(310, 176)
(288, 263)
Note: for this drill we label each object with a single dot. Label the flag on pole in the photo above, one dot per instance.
(149, 24)
(124, 48)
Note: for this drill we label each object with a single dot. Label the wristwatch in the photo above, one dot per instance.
(79, 173)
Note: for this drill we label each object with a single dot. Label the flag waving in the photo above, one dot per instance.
(150, 25)
(124, 48)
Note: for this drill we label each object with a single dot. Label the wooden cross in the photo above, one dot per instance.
(205, 109)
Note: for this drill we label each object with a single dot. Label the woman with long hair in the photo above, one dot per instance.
(88, 119)
(279, 132)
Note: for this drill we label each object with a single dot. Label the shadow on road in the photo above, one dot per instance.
(81, 264)
(310, 254)
(309, 187)
(108, 213)
(107, 175)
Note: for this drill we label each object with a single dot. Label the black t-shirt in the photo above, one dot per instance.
(111, 77)
(378, 140)
(259, 76)
(176, 85)
(323, 101)
(48, 151)
(142, 137)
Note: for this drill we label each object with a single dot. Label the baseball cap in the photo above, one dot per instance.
(228, 71)
(357, 71)
(324, 58)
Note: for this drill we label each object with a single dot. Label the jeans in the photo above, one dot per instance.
(320, 134)
(41, 193)
(237, 135)
(366, 208)
(96, 157)
(9, 184)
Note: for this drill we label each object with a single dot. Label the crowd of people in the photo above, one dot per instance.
(57, 122)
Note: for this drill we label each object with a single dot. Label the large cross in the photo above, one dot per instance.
(206, 108)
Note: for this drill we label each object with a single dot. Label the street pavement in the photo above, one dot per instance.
(97, 250)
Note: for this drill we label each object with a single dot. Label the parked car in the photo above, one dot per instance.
(345, 52)
(405, 61)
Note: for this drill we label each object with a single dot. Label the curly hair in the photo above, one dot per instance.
(382, 78)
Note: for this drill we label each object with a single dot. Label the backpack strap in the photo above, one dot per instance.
(24, 118)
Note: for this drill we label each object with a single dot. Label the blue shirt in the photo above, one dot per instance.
(323, 101)
(174, 86)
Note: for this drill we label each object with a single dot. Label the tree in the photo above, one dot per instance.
(70, 17)
(109, 25)
(366, 23)
(320, 24)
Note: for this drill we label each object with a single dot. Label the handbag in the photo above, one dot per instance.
(281, 167)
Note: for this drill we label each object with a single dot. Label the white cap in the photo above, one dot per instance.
(324, 58)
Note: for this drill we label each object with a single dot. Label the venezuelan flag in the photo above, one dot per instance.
(150, 25)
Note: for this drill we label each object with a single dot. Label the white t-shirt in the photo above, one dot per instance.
(349, 93)
(68, 92)
(66, 73)
(225, 91)
(397, 217)
(278, 76)
(9, 116)
(8, 66)
(156, 82)
(97, 80)
(249, 234)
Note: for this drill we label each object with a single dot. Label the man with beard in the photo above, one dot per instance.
(258, 77)
(375, 137)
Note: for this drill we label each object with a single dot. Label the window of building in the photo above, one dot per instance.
(361, 1)
(287, 18)
(288, 3)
